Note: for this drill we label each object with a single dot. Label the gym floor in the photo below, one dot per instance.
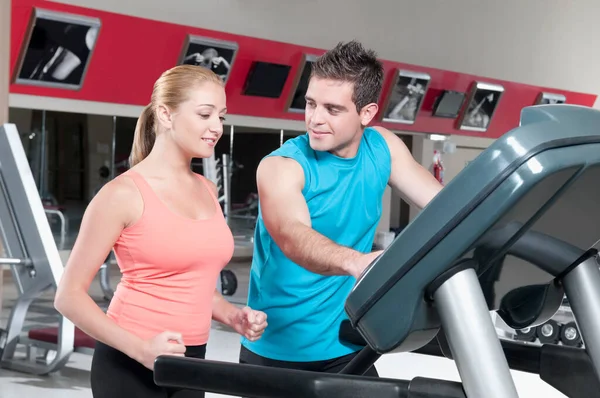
(73, 380)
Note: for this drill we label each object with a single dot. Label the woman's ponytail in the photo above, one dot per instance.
(144, 136)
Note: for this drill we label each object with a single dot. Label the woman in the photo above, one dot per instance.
(171, 242)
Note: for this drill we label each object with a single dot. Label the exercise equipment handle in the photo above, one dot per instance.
(254, 381)
(546, 252)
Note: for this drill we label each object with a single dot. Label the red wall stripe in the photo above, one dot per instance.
(132, 52)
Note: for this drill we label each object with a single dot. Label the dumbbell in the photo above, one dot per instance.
(549, 332)
(570, 336)
(526, 334)
(228, 282)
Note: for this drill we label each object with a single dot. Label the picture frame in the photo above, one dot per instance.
(214, 54)
(57, 50)
(482, 103)
(550, 99)
(266, 79)
(296, 102)
(405, 99)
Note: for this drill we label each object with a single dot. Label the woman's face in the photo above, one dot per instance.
(198, 123)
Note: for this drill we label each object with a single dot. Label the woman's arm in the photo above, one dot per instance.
(246, 321)
(223, 311)
(117, 205)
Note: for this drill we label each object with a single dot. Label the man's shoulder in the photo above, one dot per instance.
(380, 140)
(281, 169)
(379, 131)
(296, 145)
(295, 153)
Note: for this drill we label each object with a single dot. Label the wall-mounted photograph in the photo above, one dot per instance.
(297, 102)
(406, 97)
(216, 55)
(57, 50)
(550, 99)
(482, 104)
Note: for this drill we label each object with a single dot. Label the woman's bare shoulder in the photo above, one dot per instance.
(119, 198)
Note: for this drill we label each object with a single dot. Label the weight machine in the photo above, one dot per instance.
(34, 260)
(428, 292)
(219, 172)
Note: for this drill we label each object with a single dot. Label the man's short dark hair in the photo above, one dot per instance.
(351, 62)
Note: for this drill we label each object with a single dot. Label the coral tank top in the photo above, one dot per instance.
(169, 265)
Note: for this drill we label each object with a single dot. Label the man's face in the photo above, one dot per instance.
(332, 121)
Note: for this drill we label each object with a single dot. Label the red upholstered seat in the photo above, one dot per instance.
(50, 335)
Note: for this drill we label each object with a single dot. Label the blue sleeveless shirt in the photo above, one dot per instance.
(344, 197)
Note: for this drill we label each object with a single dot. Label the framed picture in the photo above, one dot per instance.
(297, 102)
(57, 50)
(482, 103)
(216, 55)
(406, 97)
(550, 99)
(266, 79)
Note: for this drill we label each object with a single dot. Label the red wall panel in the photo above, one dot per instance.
(132, 52)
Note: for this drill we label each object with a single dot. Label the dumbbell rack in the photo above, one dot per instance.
(561, 329)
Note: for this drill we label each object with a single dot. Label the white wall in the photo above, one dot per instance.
(467, 149)
(539, 42)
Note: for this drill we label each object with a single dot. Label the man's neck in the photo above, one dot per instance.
(349, 150)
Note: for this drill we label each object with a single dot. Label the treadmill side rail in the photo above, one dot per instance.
(254, 381)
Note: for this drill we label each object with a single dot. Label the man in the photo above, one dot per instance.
(320, 203)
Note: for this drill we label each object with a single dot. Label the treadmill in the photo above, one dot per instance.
(430, 290)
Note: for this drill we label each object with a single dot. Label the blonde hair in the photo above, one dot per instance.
(171, 89)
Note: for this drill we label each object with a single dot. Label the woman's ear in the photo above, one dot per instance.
(164, 117)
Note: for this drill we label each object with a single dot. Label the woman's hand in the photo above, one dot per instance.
(249, 323)
(166, 343)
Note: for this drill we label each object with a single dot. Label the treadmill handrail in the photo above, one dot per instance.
(253, 381)
(548, 253)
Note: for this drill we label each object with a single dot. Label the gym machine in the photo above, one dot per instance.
(429, 291)
(560, 329)
(34, 260)
(219, 172)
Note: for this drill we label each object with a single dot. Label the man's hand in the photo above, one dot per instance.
(358, 265)
(249, 323)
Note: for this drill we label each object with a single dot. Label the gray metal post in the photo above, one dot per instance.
(231, 133)
(582, 287)
(43, 169)
(473, 339)
(226, 163)
(113, 149)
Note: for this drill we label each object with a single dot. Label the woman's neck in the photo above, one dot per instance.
(166, 158)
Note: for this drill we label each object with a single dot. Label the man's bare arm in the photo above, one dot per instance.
(285, 213)
(408, 176)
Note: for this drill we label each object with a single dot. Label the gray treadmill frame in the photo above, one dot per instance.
(526, 156)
